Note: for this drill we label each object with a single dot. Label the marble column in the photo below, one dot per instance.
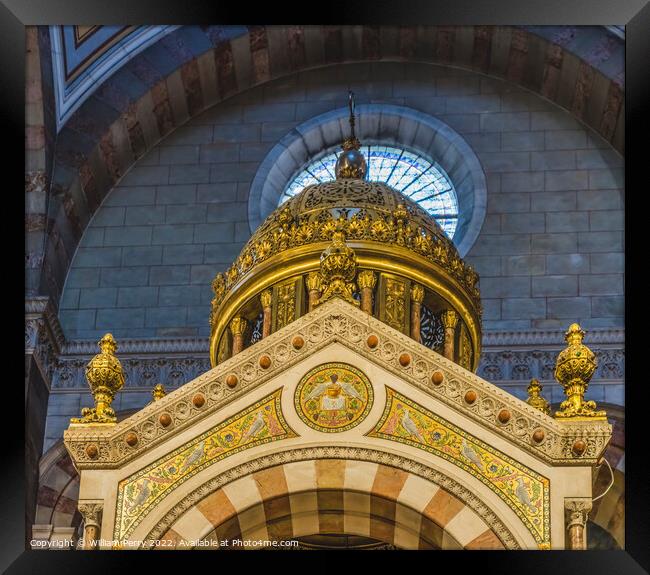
(577, 513)
(266, 297)
(237, 328)
(366, 280)
(449, 321)
(314, 283)
(91, 513)
(417, 297)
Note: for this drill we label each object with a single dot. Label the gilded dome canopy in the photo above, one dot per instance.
(379, 230)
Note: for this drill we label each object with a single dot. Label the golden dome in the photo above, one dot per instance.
(376, 221)
(317, 243)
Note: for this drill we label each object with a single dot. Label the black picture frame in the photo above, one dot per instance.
(634, 14)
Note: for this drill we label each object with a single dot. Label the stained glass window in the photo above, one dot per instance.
(414, 175)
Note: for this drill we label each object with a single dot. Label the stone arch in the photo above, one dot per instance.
(384, 124)
(373, 495)
(58, 490)
(115, 127)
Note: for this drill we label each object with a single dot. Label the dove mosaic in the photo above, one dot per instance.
(333, 397)
(258, 424)
(523, 490)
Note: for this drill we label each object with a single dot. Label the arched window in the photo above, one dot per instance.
(412, 174)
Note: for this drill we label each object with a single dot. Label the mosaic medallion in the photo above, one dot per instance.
(333, 397)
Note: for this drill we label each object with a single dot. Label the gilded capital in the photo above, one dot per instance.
(238, 326)
(314, 281)
(265, 298)
(574, 368)
(417, 293)
(105, 378)
(367, 279)
(449, 319)
(535, 398)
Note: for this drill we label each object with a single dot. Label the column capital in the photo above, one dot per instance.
(91, 512)
(314, 281)
(265, 298)
(577, 510)
(449, 319)
(238, 326)
(367, 279)
(417, 293)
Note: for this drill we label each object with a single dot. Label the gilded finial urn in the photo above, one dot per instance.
(105, 378)
(535, 398)
(574, 367)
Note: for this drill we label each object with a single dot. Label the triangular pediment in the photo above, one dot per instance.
(462, 393)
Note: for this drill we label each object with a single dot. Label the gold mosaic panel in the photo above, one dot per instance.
(523, 490)
(333, 397)
(262, 422)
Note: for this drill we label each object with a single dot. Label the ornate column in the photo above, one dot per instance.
(449, 320)
(366, 280)
(314, 283)
(237, 328)
(417, 297)
(266, 297)
(91, 512)
(576, 514)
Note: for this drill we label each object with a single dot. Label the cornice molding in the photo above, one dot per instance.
(337, 321)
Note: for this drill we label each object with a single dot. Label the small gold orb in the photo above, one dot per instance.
(131, 439)
(437, 378)
(198, 400)
(297, 342)
(504, 416)
(470, 396)
(165, 419)
(265, 362)
(579, 447)
(372, 341)
(92, 451)
(231, 380)
(404, 359)
(538, 435)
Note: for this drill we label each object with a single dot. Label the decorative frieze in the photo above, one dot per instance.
(174, 362)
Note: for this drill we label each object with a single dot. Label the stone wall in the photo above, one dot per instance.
(550, 250)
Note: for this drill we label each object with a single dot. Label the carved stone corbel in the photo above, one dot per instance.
(576, 512)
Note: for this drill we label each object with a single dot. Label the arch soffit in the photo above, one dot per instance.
(117, 125)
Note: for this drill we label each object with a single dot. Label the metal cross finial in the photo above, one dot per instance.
(351, 106)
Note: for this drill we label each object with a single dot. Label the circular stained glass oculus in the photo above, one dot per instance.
(415, 176)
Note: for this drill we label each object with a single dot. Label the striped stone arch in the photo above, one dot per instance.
(58, 490)
(416, 508)
(608, 512)
(194, 68)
